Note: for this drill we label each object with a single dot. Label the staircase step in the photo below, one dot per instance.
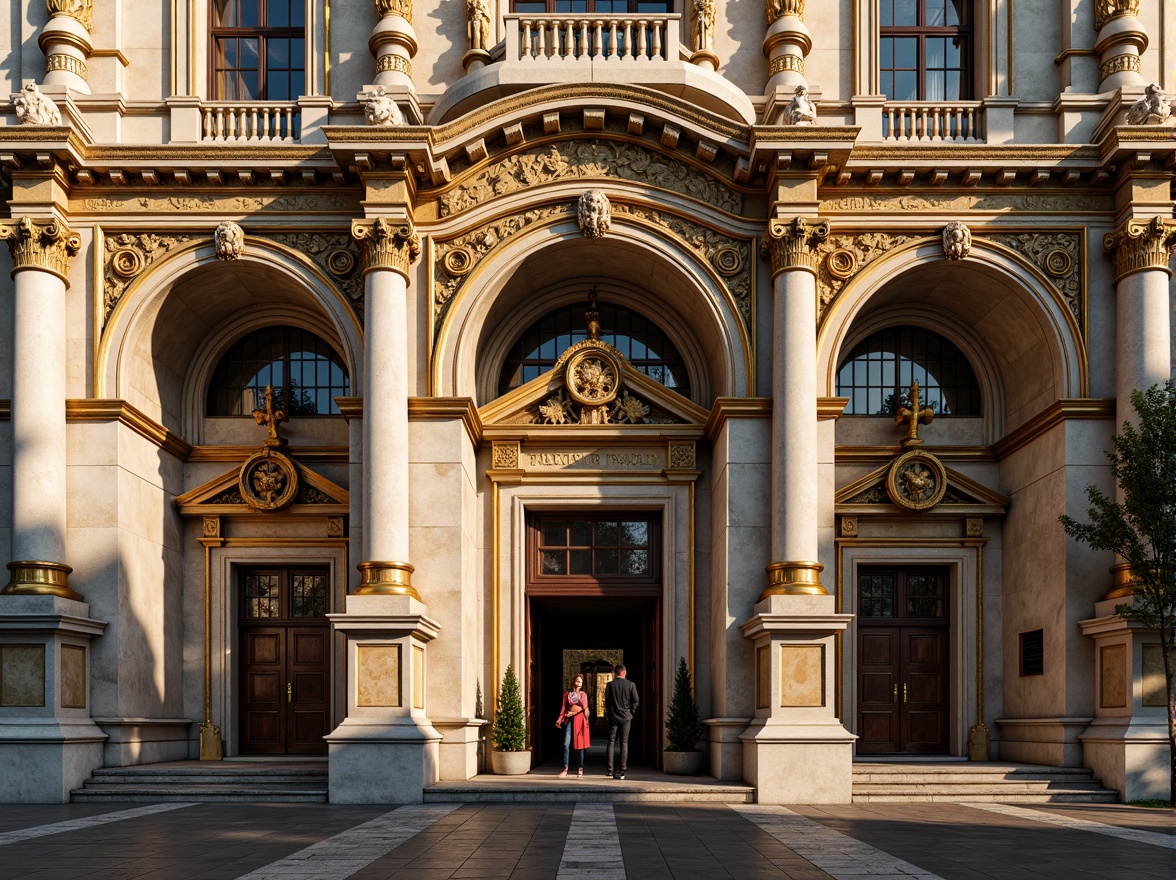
(981, 782)
(232, 782)
(449, 793)
(199, 794)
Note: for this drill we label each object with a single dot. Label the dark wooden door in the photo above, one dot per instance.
(650, 711)
(903, 696)
(285, 648)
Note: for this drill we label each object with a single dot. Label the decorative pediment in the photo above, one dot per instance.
(876, 491)
(310, 493)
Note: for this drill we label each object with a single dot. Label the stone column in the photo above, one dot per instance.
(1120, 40)
(66, 43)
(386, 750)
(794, 626)
(394, 44)
(786, 44)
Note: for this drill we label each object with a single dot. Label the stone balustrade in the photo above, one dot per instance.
(956, 122)
(624, 39)
(257, 121)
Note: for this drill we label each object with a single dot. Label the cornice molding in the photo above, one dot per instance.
(422, 409)
(112, 410)
(725, 408)
(1060, 411)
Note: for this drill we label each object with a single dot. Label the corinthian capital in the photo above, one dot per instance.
(1138, 245)
(36, 244)
(791, 244)
(386, 245)
(403, 8)
(780, 8)
(81, 11)
(1107, 10)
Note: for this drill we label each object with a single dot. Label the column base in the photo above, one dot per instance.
(1130, 755)
(39, 578)
(1122, 582)
(382, 762)
(799, 763)
(461, 745)
(724, 749)
(386, 579)
(794, 579)
(46, 759)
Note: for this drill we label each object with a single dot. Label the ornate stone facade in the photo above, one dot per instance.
(387, 245)
(47, 245)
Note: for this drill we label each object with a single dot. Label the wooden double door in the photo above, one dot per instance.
(285, 651)
(903, 677)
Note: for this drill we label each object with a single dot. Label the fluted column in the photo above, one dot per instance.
(1120, 40)
(389, 250)
(394, 44)
(66, 43)
(790, 246)
(41, 251)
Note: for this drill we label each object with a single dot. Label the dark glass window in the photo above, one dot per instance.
(1033, 652)
(645, 346)
(602, 549)
(284, 593)
(539, 7)
(877, 374)
(258, 49)
(925, 50)
(306, 374)
(903, 594)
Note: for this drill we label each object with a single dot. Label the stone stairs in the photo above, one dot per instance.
(982, 782)
(208, 781)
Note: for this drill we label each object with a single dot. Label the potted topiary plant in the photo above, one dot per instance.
(683, 727)
(510, 755)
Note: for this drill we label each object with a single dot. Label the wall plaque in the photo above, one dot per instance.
(604, 459)
(1112, 673)
(802, 675)
(22, 675)
(377, 675)
(73, 677)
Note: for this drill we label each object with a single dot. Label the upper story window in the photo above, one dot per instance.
(642, 343)
(538, 7)
(258, 49)
(306, 374)
(876, 376)
(925, 51)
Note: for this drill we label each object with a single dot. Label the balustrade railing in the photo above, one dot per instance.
(586, 37)
(259, 121)
(959, 122)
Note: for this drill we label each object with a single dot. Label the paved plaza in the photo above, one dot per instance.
(641, 841)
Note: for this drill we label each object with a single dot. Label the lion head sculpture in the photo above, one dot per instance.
(381, 110)
(229, 239)
(595, 214)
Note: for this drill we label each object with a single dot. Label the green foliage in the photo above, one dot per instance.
(683, 728)
(510, 724)
(1141, 529)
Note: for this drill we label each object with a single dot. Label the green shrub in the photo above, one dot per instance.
(510, 724)
(683, 727)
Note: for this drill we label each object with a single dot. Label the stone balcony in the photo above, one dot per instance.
(958, 122)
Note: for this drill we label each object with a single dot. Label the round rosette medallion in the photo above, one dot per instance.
(268, 481)
(592, 377)
(917, 480)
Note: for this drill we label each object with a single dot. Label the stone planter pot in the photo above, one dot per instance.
(682, 763)
(510, 763)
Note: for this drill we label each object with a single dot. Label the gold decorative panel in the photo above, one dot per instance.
(418, 677)
(802, 675)
(1154, 691)
(22, 675)
(73, 677)
(1112, 673)
(377, 675)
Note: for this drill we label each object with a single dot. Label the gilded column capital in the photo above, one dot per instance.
(791, 244)
(81, 11)
(1139, 245)
(1108, 10)
(403, 8)
(387, 245)
(45, 245)
(780, 8)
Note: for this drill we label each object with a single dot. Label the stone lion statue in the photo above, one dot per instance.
(957, 240)
(595, 214)
(1153, 108)
(229, 239)
(800, 110)
(380, 109)
(34, 108)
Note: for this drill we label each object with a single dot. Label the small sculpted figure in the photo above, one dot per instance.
(34, 108)
(800, 110)
(478, 14)
(957, 240)
(704, 25)
(1153, 108)
(229, 240)
(594, 213)
(381, 110)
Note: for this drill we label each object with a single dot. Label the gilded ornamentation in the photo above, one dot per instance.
(68, 63)
(1119, 64)
(791, 244)
(393, 64)
(1042, 203)
(682, 455)
(782, 63)
(334, 527)
(957, 240)
(268, 481)
(80, 10)
(875, 494)
(504, 456)
(458, 261)
(727, 260)
(1141, 244)
(308, 494)
(336, 252)
(849, 526)
(702, 34)
(593, 159)
(385, 245)
(381, 110)
(41, 244)
(845, 255)
(269, 416)
(229, 240)
(340, 261)
(592, 377)
(1059, 254)
(125, 258)
(912, 416)
(841, 263)
(917, 480)
(974, 526)
(212, 526)
(34, 108)
(1107, 10)
(478, 24)
(1153, 108)
(800, 110)
(779, 8)
(403, 8)
(594, 214)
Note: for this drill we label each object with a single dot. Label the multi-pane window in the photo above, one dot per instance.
(304, 371)
(602, 549)
(877, 375)
(642, 343)
(283, 593)
(258, 49)
(911, 594)
(538, 7)
(925, 50)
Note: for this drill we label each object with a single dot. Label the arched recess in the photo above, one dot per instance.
(554, 264)
(171, 326)
(1021, 337)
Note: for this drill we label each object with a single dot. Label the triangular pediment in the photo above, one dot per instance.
(963, 495)
(546, 400)
(222, 496)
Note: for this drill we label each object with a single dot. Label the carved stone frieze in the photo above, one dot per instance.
(1139, 245)
(125, 257)
(1058, 255)
(1039, 203)
(387, 245)
(291, 203)
(841, 257)
(41, 244)
(588, 159)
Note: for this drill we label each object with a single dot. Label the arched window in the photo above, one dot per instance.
(876, 376)
(645, 346)
(306, 374)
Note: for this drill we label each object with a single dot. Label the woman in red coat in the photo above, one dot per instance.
(573, 718)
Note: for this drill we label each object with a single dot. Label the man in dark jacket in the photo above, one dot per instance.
(620, 702)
